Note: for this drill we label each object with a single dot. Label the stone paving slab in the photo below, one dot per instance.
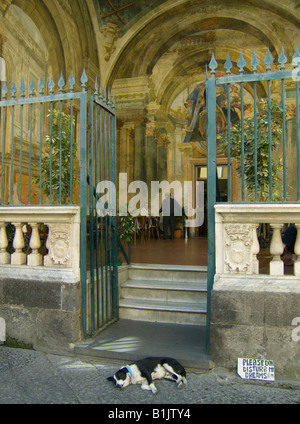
(31, 377)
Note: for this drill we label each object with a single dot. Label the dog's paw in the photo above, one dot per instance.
(153, 388)
(179, 385)
(181, 382)
(145, 386)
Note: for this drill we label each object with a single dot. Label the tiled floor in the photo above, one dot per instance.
(185, 252)
(171, 252)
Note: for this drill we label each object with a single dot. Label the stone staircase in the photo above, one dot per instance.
(164, 293)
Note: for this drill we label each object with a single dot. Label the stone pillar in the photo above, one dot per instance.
(139, 153)
(151, 159)
(132, 97)
(186, 151)
(162, 163)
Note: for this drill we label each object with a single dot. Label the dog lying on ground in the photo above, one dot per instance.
(144, 371)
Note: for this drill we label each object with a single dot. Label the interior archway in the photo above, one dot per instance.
(164, 57)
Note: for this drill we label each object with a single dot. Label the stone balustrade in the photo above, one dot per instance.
(61, 256)
(237, 244)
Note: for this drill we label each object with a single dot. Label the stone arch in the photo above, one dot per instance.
(152, 53)
(67, 31)
(264, 20)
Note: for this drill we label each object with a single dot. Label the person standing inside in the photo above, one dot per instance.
(169, 208)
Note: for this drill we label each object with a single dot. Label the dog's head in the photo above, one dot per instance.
(121, 378)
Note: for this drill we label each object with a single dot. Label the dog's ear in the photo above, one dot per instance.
(111, 378)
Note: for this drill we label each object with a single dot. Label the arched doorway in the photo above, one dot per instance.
(160, 63)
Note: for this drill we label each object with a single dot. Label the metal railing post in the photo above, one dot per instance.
(211, 195)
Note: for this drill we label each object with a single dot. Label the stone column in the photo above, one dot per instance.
(186, 150)
(151, 159)
(162, 163)
(139, 153)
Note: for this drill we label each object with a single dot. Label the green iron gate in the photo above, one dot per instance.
(55, 148)
(102, 284)
(261, 140)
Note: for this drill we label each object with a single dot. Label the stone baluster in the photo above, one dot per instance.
(297, 251)
(4, 255)
(35, 258)
(276, 249)
(19, 257)
(255, 251)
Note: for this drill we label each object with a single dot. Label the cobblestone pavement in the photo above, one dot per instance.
(31, 377)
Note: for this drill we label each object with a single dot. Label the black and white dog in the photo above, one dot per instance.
(144, 371)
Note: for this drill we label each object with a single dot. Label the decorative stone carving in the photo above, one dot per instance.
(58, 245)
(111, 33)
(239, 253)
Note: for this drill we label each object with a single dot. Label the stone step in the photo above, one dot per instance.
(167, 272)
(191, 291)
(163, 311)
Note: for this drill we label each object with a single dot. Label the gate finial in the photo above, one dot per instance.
(254, 62)
(96, 87)
(71, 82)
(61, 83)
(268, 60)
(22, 88)
(296, 57)
(282, 59)
(31, 88)
(83, 80)
(51, 85)
(4, 91)
(13, 90)
(241, 63)
(213, 64)
(100, 90)
(41, 86)
(228, 64)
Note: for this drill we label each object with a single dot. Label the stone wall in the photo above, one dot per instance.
(43, 314)
(254, 317)
(40, 293)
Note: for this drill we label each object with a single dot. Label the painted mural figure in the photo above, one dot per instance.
(196, 105)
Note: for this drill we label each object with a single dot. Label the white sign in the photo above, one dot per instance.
(256, 369)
